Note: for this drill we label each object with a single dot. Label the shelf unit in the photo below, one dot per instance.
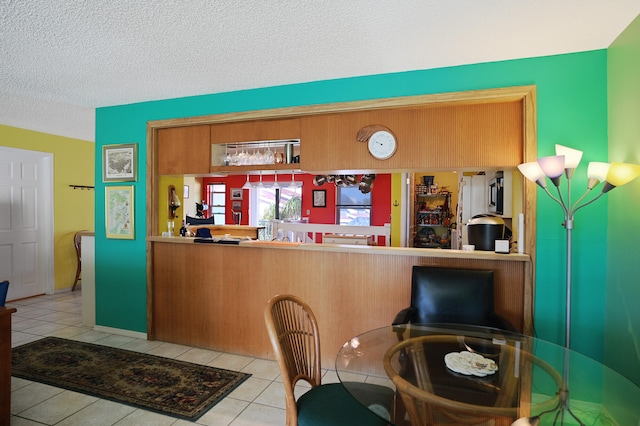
(222, 156)
(432, 220)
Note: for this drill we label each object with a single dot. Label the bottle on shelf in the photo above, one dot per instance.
(183, 229)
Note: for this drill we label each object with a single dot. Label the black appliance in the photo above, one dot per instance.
(484, 230)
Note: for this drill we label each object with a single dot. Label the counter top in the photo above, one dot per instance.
(397, 251)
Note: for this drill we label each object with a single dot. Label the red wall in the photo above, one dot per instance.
(380, 197)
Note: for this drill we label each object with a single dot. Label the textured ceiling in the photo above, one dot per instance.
(60, 59)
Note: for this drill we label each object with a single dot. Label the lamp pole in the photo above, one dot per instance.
(566, 160)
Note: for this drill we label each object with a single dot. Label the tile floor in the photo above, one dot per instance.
(258, 401)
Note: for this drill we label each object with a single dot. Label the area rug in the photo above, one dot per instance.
(176, 388)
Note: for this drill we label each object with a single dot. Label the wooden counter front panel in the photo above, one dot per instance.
(214, 296)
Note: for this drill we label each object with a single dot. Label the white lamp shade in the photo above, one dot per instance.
(622, 173)
(552, 166)
(247, 184)
(532, 171)
(572, 156)
(598, 170)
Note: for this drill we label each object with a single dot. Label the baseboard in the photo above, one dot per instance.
(121, 332)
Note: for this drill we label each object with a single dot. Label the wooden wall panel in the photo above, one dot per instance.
(461, 136)
(213, 296)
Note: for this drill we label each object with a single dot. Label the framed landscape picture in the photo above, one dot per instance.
(119, 212)
(120, 162)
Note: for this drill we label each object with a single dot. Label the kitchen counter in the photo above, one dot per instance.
(213, 296)
(347, 248)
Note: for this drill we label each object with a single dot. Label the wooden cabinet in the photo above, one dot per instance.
(5, 364)
(257, 130)
(184, 150)
(252, 136)
(429, 137)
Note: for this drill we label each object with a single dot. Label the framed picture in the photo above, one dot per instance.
(185, 193)
(236, 205)
(119, 212)
(236, 193)
(319, 198)
(120, 163)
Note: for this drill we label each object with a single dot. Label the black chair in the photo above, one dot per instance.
(451, 295)
(441, 296)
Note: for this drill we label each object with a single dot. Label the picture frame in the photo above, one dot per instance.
(319, 198)
(119, 220)
(185, 193)
(120, 163)
(236, 205)
(235, 194)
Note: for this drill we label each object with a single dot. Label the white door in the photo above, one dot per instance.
(26, 222)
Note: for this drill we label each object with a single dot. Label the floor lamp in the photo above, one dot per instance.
(613, 175)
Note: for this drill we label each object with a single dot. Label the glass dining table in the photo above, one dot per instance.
(459, 374)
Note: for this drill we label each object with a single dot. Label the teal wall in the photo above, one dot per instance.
(572, 110)
(622, 342)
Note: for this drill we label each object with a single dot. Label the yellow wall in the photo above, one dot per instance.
(73, 210)
(163, 203)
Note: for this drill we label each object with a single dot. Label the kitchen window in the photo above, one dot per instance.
(353, 207)
(216, 192)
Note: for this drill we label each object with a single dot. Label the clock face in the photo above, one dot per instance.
(382, 144)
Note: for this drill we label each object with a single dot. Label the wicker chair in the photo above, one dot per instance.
(293, 331)
(77, 238)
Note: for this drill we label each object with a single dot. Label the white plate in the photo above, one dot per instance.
(470, 364)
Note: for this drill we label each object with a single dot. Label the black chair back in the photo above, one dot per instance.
(449, 295)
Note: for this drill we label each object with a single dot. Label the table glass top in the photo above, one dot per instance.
(484, 373)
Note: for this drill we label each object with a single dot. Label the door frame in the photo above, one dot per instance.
(45, 215)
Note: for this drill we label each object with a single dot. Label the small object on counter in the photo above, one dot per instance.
(183, 229)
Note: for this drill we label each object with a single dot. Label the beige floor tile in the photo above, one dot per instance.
(169, 350)
(272, 396)
(19, 421)
(263, 369)
(45, 329)
(68, 332)
(19, 338)
(140, 345)
(231, 361)
(146, 418)
(115, 341)
(250, 389)
(31, 395)
(260, 415)
(221, 414)
(199, 356)
(100, 413)
(90, 336)
(17, 383)
(59, 407)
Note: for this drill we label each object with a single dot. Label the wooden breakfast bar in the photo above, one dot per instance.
(213, 296)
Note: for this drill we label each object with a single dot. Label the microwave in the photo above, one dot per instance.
(496, 194)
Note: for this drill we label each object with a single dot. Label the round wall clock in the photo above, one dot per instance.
(382, 144)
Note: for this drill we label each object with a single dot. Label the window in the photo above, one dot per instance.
(353, 207)
(264, 200)
(217, 192)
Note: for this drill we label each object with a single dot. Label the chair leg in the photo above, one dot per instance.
(75, 282)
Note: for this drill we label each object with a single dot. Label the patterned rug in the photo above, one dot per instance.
(176, 388)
